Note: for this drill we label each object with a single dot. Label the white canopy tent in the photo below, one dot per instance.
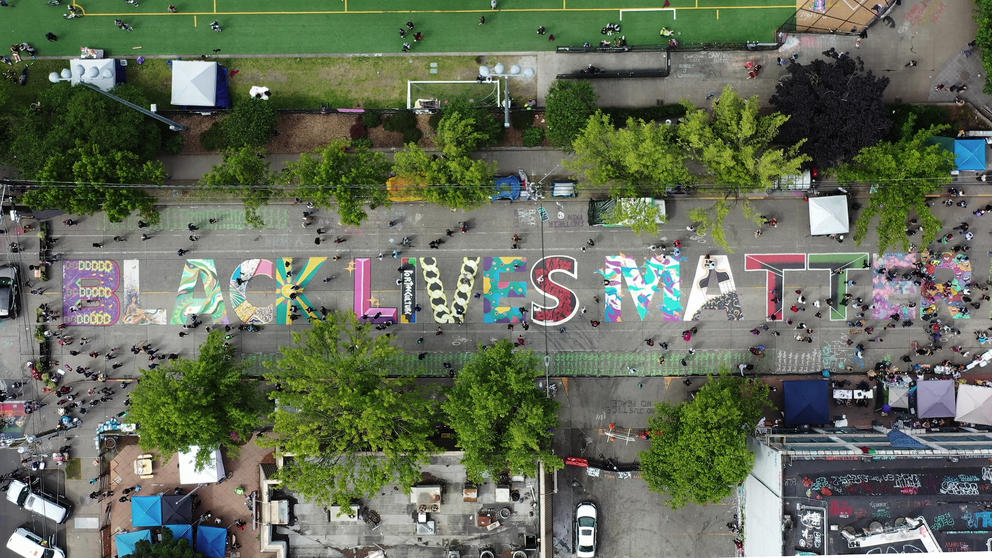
(899, 397)
(828, 215)
(101, 72)
(194, 83)
(974, 405)
(212, 470)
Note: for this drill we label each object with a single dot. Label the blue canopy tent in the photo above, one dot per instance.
(806, 402)
(507, 188)
(969, 154)
(181, 532)
(126, 542)
(211, 541)
(146, 511)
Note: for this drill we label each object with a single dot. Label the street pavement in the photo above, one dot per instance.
(615, 348)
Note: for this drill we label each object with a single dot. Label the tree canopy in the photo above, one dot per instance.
(835, 106)
(699, 448)
(641, 159)
(569, 104)
(501, 419)
(350, 428)
(353, 176)
(734, 144)
(983, 37)
(465, 127)
(459, 182)
(244, 172)
(205, 402)
(94, 172)
(900, 175)
(69, 116)
(168, 547)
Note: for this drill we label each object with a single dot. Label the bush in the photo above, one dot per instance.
(212, 139)
(251, 123)
(435, 119)
(361, 142)
(406, 123)
(521, 119)
(371, 119)
(358, 130)
(172, 144)
(926, 116)
(658, 114)
(533, 137)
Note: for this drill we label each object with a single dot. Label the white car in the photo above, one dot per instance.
(586, 517)
(20, 494)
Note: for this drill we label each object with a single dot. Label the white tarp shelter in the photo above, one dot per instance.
(212, 470)
(194, 83)
(101, 72)
(974, 405)
(828, 215)
(899, 397)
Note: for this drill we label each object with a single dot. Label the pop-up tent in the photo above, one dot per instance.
(199, 84)
(899, 397)
(146, 511)
(974, 405)
(828, 215)
(935, 398)
(189, 473)
(507, 188)
(211, 541)
(969, 154)
(806, 402)
(126, 542)
(181, 532)
(177, 509)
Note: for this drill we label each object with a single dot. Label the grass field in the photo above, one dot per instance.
(371, 26)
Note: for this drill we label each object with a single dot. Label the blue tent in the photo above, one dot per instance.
(211, 541)
(900, 440)
(969, 154)
(507, 188)
(806, 402)
(146, 511)
(127, 541)
(181, 532)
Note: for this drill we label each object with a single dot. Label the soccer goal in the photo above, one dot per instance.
(429, 96)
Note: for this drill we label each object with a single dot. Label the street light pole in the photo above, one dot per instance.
(499, 71)
(54, 77)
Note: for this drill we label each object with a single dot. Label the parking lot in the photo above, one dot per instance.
(633, 521)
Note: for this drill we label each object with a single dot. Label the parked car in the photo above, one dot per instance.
(21, 494)
(586, 529)
(10, 291)
(29, 545)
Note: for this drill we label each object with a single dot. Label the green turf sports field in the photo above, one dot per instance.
(371, 26)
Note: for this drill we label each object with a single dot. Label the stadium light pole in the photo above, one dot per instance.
(500, 71)
(66, 75)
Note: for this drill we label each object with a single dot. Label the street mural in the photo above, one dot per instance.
(515, 290)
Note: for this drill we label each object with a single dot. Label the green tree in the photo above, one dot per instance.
(901, 174)
(350, 175)
(455, 182)
(569, 104)
(168, 547)
(350, 427)
(244, 172)
(69, 116)
(699, 448)
(983, 37)
(640, 214)
(734, 144)
(500, 418)
(206, 402)
(251, 123)
(465, 127)
(641, 159)
(95, 173)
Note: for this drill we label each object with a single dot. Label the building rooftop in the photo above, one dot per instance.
(450, 514)
(867, 497)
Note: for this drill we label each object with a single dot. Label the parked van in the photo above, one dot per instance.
(20, 494)
(25, 543)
